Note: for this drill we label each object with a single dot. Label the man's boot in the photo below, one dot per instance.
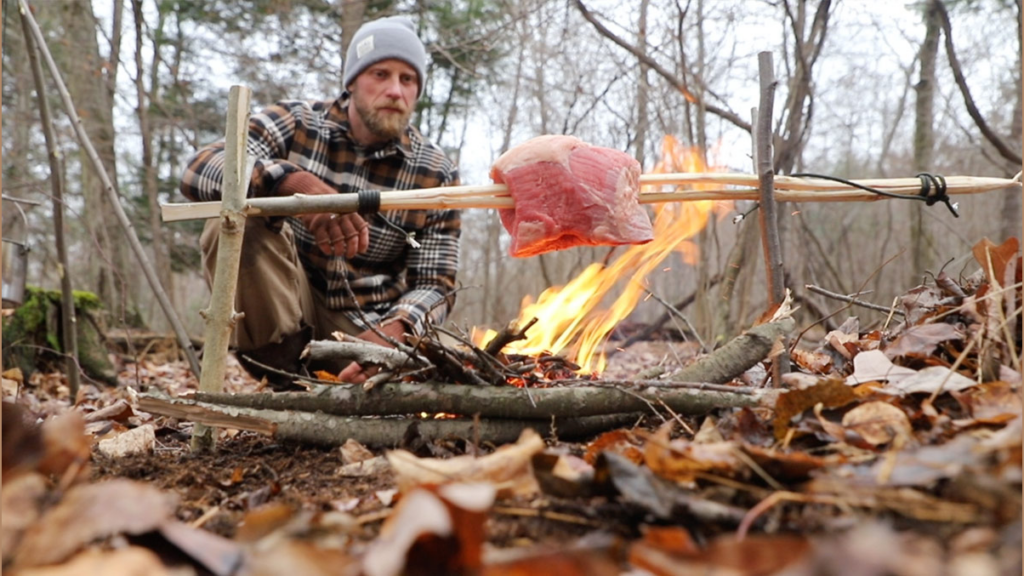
(282, 356)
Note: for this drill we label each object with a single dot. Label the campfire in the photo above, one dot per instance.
(570, 319)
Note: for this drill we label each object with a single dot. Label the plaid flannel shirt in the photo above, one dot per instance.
(391, 279)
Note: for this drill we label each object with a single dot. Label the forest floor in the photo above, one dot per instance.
(895, 449)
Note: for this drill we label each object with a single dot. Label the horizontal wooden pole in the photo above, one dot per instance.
(491, 196)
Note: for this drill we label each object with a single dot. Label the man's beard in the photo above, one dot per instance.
(386, 126)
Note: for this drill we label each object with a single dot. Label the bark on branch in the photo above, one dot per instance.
(330, 430)
(738, 355)
(362, 352)
(491, 401)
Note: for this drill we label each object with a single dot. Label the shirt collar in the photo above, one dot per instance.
(339, 113)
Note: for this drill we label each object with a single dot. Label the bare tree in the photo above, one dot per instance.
(924, 127)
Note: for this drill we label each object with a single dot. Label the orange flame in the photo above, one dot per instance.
(568, 316)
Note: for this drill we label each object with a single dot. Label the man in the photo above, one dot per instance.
(308, 276)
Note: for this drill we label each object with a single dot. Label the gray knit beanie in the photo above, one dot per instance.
(391, 37)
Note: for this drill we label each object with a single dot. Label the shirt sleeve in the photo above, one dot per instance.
(431, 271)
(271, 135)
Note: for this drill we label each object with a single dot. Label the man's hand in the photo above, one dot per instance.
(336, 234)
(355, 373)
(339, 234)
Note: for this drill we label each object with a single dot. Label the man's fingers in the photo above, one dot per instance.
(364, 237)
(352, 373)
(352, 227)
(323, 240)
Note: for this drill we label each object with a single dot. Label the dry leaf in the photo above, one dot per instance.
(991, 402)
(22, 440)
(830, 393)
(508, 468)
(365, 468)
(92, 511)
(133, 561)
(874, 365)
(136, 441)
(563, 475)
(620, 441)
(22, 501)
(725, 556)
(922, 339)
(263, 520)
(353, 451)
(587, 562)
(999, 256)
(14, 374)
(296, 557)
(681, 460)
(65, 443)
(878, 423)
(708, 433)
(814, 362)
(928, 381)
(674, 539)
(216, 553)
(438, 532)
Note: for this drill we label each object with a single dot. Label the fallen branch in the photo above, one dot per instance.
(361, 352)
(738, 355)
(852, 300)
(489, 401)
(330, 430)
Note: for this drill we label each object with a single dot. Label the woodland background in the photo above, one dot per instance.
(867, 89)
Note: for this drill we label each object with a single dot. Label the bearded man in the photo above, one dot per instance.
(308, 276)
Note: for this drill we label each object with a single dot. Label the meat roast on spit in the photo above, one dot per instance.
(569, 193)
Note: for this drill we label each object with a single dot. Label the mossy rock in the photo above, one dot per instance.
(33, 339)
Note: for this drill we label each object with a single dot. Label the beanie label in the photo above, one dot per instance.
(364, 47)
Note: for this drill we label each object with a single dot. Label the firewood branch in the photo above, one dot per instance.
(738, 355)
(362, 353)
(492, 401)
(330, 430)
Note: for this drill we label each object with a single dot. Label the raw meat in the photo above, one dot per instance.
(569, 193)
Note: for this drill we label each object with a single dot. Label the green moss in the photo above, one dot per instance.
(35, 327)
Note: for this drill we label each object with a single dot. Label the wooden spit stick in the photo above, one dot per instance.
(787, 189)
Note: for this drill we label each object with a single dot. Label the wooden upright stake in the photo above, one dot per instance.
(108, 189)
(220, 316)
(69, 323)
(768, 213)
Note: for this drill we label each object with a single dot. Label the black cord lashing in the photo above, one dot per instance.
(369, 201)
(933, 189)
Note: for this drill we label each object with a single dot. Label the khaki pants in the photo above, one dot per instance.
(273, 291)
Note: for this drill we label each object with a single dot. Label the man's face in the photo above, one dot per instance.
(384, 96)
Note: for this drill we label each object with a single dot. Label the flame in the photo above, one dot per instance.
(568, 316)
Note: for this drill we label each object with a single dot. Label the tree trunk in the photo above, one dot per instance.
(87, 73)
(642, 87)
(353, 13)
(160, 257)
(924, 136)
(1010, 224)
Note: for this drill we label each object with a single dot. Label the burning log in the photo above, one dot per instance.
(330, 430)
